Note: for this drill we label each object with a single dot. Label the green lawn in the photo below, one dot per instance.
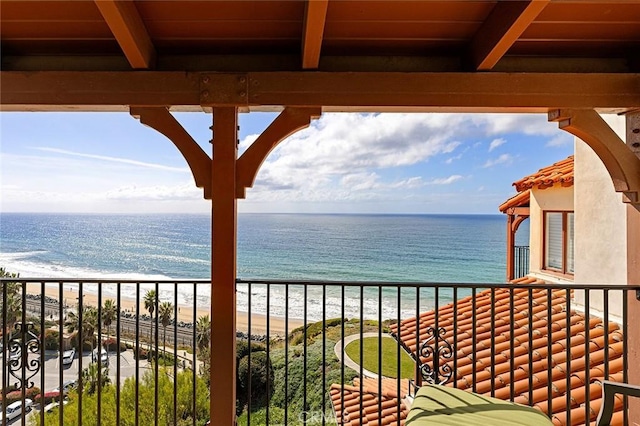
(370, 348)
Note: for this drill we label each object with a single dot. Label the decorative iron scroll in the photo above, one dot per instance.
(436, 349)
(23, 342)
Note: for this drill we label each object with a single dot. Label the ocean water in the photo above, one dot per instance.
(373, 248)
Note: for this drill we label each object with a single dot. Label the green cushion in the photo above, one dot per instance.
(441, 405)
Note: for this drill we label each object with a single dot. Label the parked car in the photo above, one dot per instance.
(49, 407)
(66, 387)
(68, 356)
(15, 354)
(14, 409)
(104, 358)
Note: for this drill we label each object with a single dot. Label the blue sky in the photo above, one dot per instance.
(343, 163)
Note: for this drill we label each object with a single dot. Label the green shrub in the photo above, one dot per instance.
(259, 417)
(261, 368)
(294, 368)
(242, 348)
(144, 407)
(51, 339)
(313, 330)
(166, 360)
(88, 344)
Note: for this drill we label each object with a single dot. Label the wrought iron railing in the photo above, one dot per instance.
(85, 352)
(308, 352)
(521, 261)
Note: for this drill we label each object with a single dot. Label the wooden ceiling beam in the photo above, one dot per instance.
(127, 26)
(291, 62)
(357, 91)
(315, 14)
(502, 28)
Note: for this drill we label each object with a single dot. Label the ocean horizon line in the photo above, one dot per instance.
(371, 214)
(353, 247)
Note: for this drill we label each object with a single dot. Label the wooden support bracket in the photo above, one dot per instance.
(621, 163)
(517, 222)
(288, 122)
(161, 120)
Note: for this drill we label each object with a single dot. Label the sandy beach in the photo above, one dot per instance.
(185, 312)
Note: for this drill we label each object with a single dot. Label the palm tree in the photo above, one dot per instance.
(89, 323)
(90, 377)
(203, 332)
(109, 313)
(150, 301)
(13, 305)
(165, 311)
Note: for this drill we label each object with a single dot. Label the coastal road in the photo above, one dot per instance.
(127, 324)
(70, 372)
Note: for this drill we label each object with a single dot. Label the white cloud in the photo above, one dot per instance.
(446, 181)
(563, 139)
(503, 159)
(454, 158)
(342, 156)
(360, 181)
(184, 191)
(246, 142)
(368, 181)
(113, 159)
(359, 144)
(375, 158)
(529, 124)
(412, 182)
(496, 143)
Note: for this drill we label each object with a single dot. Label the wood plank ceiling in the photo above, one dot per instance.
(327, 35)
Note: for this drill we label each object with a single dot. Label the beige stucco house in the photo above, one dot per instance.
(578, 224)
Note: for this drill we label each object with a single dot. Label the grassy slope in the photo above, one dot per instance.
(293, 366)
(370, 350)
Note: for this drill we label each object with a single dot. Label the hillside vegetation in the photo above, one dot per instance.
(288, 360)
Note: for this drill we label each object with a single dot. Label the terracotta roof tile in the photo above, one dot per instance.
(557, 173)
(521, 199)
(560, 172)
(378, 409)
(538, 356)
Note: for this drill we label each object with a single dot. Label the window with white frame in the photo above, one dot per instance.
(558, 242)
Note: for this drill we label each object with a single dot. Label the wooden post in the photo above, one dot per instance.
(510, 248)
(223, 266)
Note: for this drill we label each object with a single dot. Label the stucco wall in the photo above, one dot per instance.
(600, 222)
(555, 198)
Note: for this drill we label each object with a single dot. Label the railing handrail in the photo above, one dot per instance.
(498, 311)
(399, 284)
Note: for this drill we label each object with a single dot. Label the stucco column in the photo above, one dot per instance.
(223, 267)
(633, 308)
(632, 140)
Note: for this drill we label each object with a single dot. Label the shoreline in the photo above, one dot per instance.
(185, 312)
